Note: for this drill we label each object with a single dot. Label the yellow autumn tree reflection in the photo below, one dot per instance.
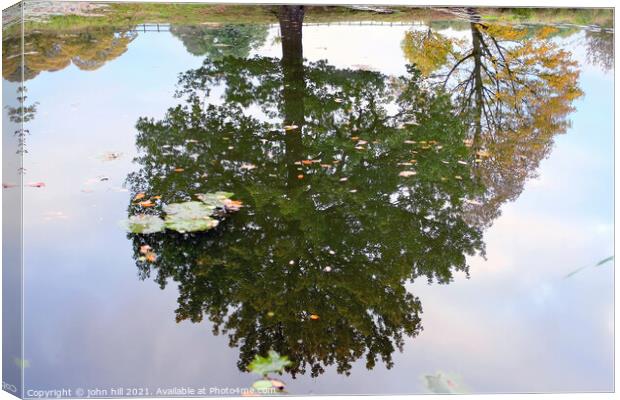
(54, 51)
(517, 88)
(427, 50)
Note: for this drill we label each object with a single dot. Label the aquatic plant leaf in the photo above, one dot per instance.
(214, 200)
(232, 205)
(441, 383)
(277, 384)
(407, 174)
(602, 262)
(143, 223)
(274, 362)
(188, 209)
(191, 225)
(190, 216)
(262, 385)
(35, 184)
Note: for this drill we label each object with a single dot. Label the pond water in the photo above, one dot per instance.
(402, 231)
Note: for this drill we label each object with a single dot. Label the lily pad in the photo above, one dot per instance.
(214, 200)
(143, 223)
(190, 216)
(262, 385)
(274, 362)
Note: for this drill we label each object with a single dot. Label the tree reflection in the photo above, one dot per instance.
(54, 51)
(516, 86)
(218, 41)
(330, 228)
(600, 49)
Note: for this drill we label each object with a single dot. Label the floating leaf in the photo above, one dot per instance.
(300, 176)
(274, 362)
(214, 200)
(314, 317)
(146, 203)
(36, 184)
(277, 384)
(143, 223)
(407, 174)
(110, 156)
(145, 248)
(247, 166)
(232, 205)
(179, 169)
(290, 127)
(602, 262)
(139, 196)
(443, 384)
(190, 216)
(262, 385)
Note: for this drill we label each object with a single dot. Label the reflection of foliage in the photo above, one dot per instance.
(427, 50)
(315, 265)
(219, 41)
(600, 49)
(21, 115)
(517, 88)
(46, 51)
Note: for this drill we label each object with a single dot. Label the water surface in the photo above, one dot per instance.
(430, 226)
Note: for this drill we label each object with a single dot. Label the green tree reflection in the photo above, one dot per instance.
(330, 229)
(218, 41)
